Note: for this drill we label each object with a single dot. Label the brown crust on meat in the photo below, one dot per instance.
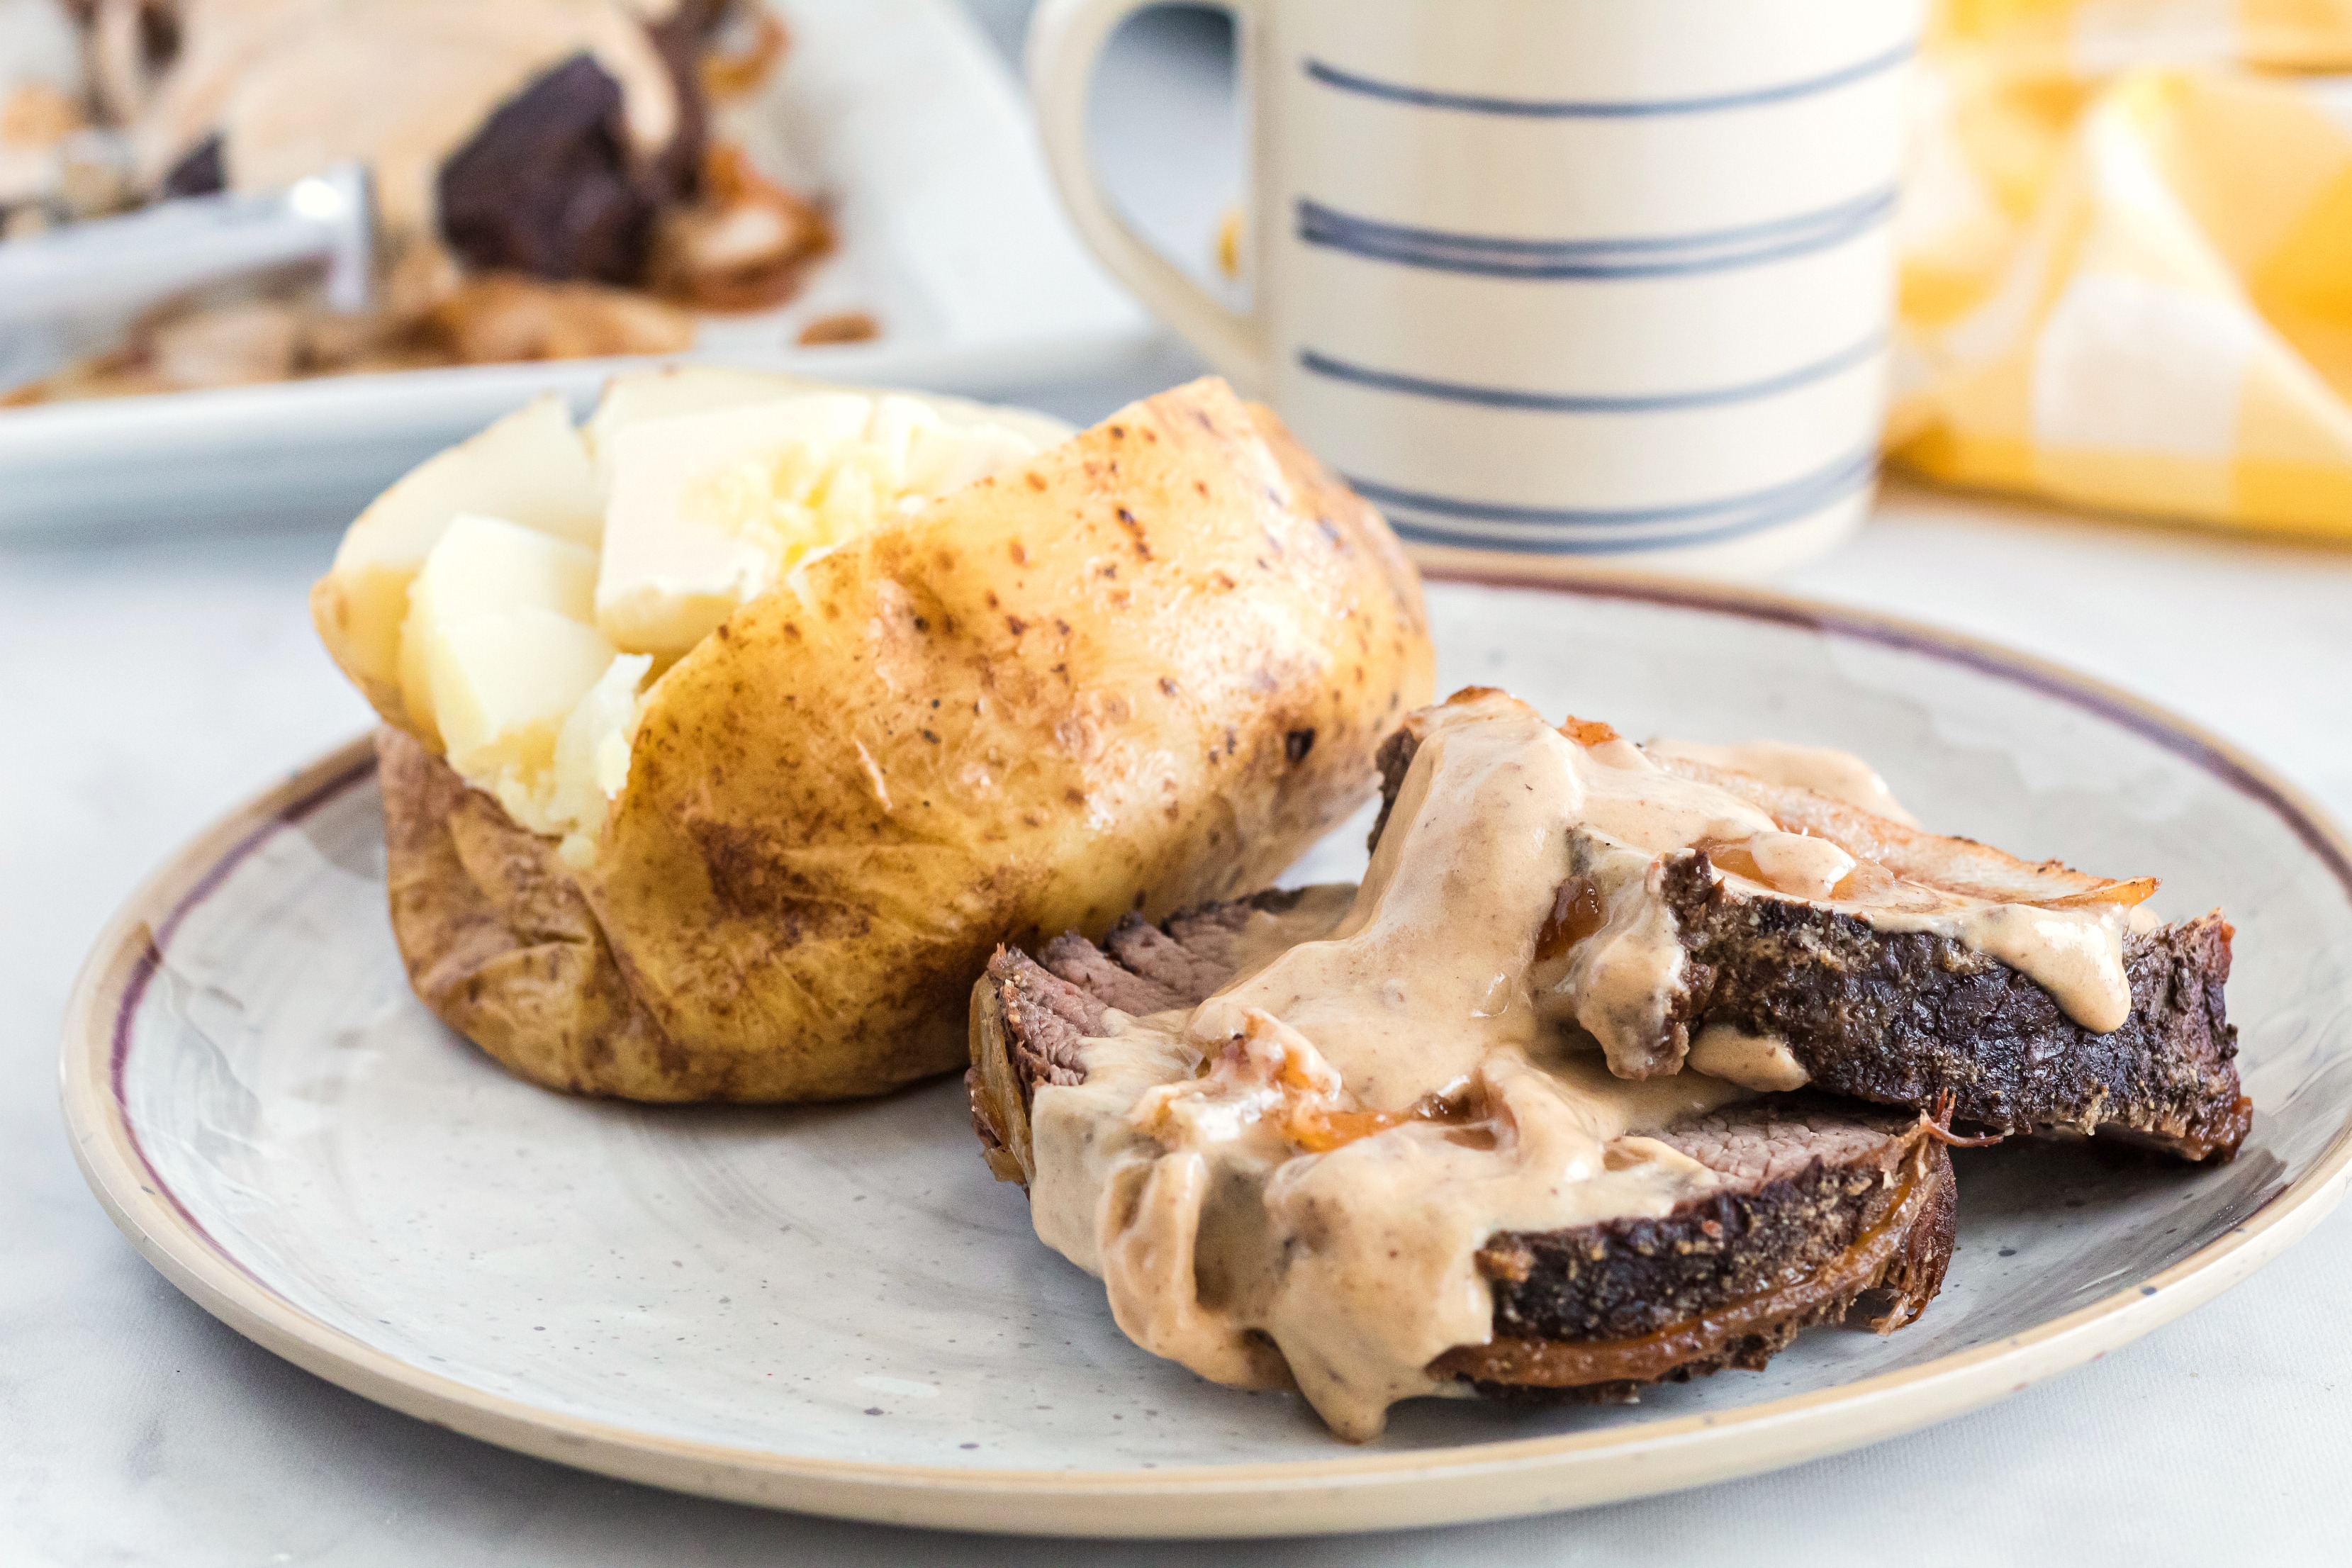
(498, 941)
(1767, 1263)
(1395, 759)
(1624, 1280)
(1868, 1231)
(1902, 1018)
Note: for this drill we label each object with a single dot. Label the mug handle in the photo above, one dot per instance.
(1066, 38)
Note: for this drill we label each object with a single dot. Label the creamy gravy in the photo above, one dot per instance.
(1760, 1062)
(1822, 769)
(1290, 1182)
(294, 86)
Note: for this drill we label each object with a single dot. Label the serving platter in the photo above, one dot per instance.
(900, 113)
(836, 1309)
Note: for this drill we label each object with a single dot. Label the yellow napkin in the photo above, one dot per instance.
(2126, 241)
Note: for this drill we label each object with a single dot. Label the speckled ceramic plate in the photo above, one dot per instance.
(836, 1309)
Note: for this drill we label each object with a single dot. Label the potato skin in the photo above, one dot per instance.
(498, 941)
(1145, 671)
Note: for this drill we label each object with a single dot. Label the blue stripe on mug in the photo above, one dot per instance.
(1571, 108)
(1869, 203)
(1323, 365)
(1489, 524)
(1647, 255)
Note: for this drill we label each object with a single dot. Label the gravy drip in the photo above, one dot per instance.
(1447, 1023)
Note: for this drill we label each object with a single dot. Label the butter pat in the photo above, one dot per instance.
(680, 389)
(709, 509)
(688, 535)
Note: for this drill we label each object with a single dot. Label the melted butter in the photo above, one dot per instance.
(1179, 1172)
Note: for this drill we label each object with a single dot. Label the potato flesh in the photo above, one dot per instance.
(503, 685)
(498, 653)
(689, 491)
(483, 567)
(710, 508)
(592, 757)
(530, 468)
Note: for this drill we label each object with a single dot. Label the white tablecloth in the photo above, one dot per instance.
(152, 682)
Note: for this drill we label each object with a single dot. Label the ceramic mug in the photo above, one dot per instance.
(1597, 278)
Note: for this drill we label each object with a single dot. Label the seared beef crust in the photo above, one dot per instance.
(1796, 1234)
(1623, 1279)
(1906, 1018)
(1806, 1181)
(1825, 1209)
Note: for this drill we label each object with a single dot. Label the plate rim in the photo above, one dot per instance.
(1349, 1492)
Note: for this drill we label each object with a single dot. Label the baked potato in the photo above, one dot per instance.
(660, 832)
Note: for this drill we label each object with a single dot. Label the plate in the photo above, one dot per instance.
(836, 1309)
(899, 111)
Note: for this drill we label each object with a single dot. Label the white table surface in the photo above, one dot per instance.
(150, 682)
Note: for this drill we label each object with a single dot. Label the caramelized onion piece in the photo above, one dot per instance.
(1734, 858)
(743, 246)
(2138, 890)
(732, 73)
(1315, 1131)
(1576, 914)
(1587, 732)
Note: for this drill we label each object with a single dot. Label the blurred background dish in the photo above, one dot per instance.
(867, 165)
(552, 178)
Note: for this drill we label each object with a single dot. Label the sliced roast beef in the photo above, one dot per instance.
(1914, 1019)
(1924, 1022)
(1827, 1211)
(1820, 1209)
